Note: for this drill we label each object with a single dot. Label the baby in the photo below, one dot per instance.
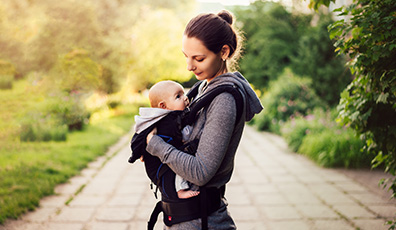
(166, 96)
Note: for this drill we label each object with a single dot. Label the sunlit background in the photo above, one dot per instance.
(73, 73)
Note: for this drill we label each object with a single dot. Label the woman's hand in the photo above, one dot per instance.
(151, 134)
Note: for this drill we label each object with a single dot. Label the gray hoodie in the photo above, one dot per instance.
(218, 133)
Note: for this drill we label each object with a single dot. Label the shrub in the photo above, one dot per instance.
(7, 73)
(296, 129)
(52, 120)
(77, 72)
(289, 96)
(70, 110)
(319, 137)
(40, 127)
(335, 148)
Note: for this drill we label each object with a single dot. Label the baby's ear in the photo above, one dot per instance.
(162, 105)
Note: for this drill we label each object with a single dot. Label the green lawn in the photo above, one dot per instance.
(31, 170)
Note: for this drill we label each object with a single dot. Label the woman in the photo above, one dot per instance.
(209, 41)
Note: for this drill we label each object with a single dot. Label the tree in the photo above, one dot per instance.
(317, 60)
(66, 27)
(157, 54)
(76, 72)
(368, 104)
(272, 35)
(11, 41)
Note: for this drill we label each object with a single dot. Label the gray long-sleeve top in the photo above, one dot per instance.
(218, 135)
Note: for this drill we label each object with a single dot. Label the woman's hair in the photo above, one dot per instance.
(215, 31)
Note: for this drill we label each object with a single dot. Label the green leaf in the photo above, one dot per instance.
(356, 32)
(383, 98)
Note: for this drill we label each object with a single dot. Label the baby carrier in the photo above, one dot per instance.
(177, 210)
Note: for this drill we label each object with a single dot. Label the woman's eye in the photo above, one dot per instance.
(200, 60)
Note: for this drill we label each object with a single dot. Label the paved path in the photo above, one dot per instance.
(271, 189)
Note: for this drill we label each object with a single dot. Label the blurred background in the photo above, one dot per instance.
(73, 73)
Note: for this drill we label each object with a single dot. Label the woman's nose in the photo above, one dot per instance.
(190, 66)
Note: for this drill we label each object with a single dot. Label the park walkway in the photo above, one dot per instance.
(271, 188)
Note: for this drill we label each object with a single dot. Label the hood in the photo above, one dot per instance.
(253, 104)
(148, 116)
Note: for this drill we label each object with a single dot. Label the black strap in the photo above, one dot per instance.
(204, 207)
(207, 98)
(154, 216)
(193, 92)
(201, 206)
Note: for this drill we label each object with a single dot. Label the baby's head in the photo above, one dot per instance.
(168, 95)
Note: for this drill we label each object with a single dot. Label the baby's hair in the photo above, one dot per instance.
(158, 91)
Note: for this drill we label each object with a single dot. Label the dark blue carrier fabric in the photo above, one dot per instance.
(169, 128)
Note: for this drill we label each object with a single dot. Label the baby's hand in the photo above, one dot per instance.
(141, 159)
(151, 134)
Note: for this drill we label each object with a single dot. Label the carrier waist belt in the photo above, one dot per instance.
(192, 206)
(207, 202)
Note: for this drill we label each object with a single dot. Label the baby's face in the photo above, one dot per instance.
(175, 98)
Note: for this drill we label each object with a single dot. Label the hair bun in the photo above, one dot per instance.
(226, 16)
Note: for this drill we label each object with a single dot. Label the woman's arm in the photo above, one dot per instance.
(213, 144)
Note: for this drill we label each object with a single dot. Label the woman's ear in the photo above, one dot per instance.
(162, 105)
(225, 52)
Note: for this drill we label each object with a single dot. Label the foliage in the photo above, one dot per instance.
(63, 53)
(35, 33)
(7, 73)
(335, 148)
(272, 35)
(317, 3)
(288, 96)
(368, 104)
(368, 36)
(318, 136)
(66, 26)
(69, 109)
(295, 129)
(77, 72)
(316, 59)
(40, 127)
(31, 170)
(157, 57)
(10, 43)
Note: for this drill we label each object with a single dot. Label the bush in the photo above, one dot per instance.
(295, 129)
(77, 72)
(319, 137)
(54, 118)
(70, 110)
(39, 127)
(289, 96)
(7, 73)
(335, 148)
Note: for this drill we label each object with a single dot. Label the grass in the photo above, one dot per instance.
(31, 170)
(14, 104)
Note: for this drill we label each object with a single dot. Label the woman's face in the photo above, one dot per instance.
(205, 64)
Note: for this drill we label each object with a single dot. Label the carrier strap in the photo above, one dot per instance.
(204, 208)
(199, 102)
(154, 216)
(207, 202)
